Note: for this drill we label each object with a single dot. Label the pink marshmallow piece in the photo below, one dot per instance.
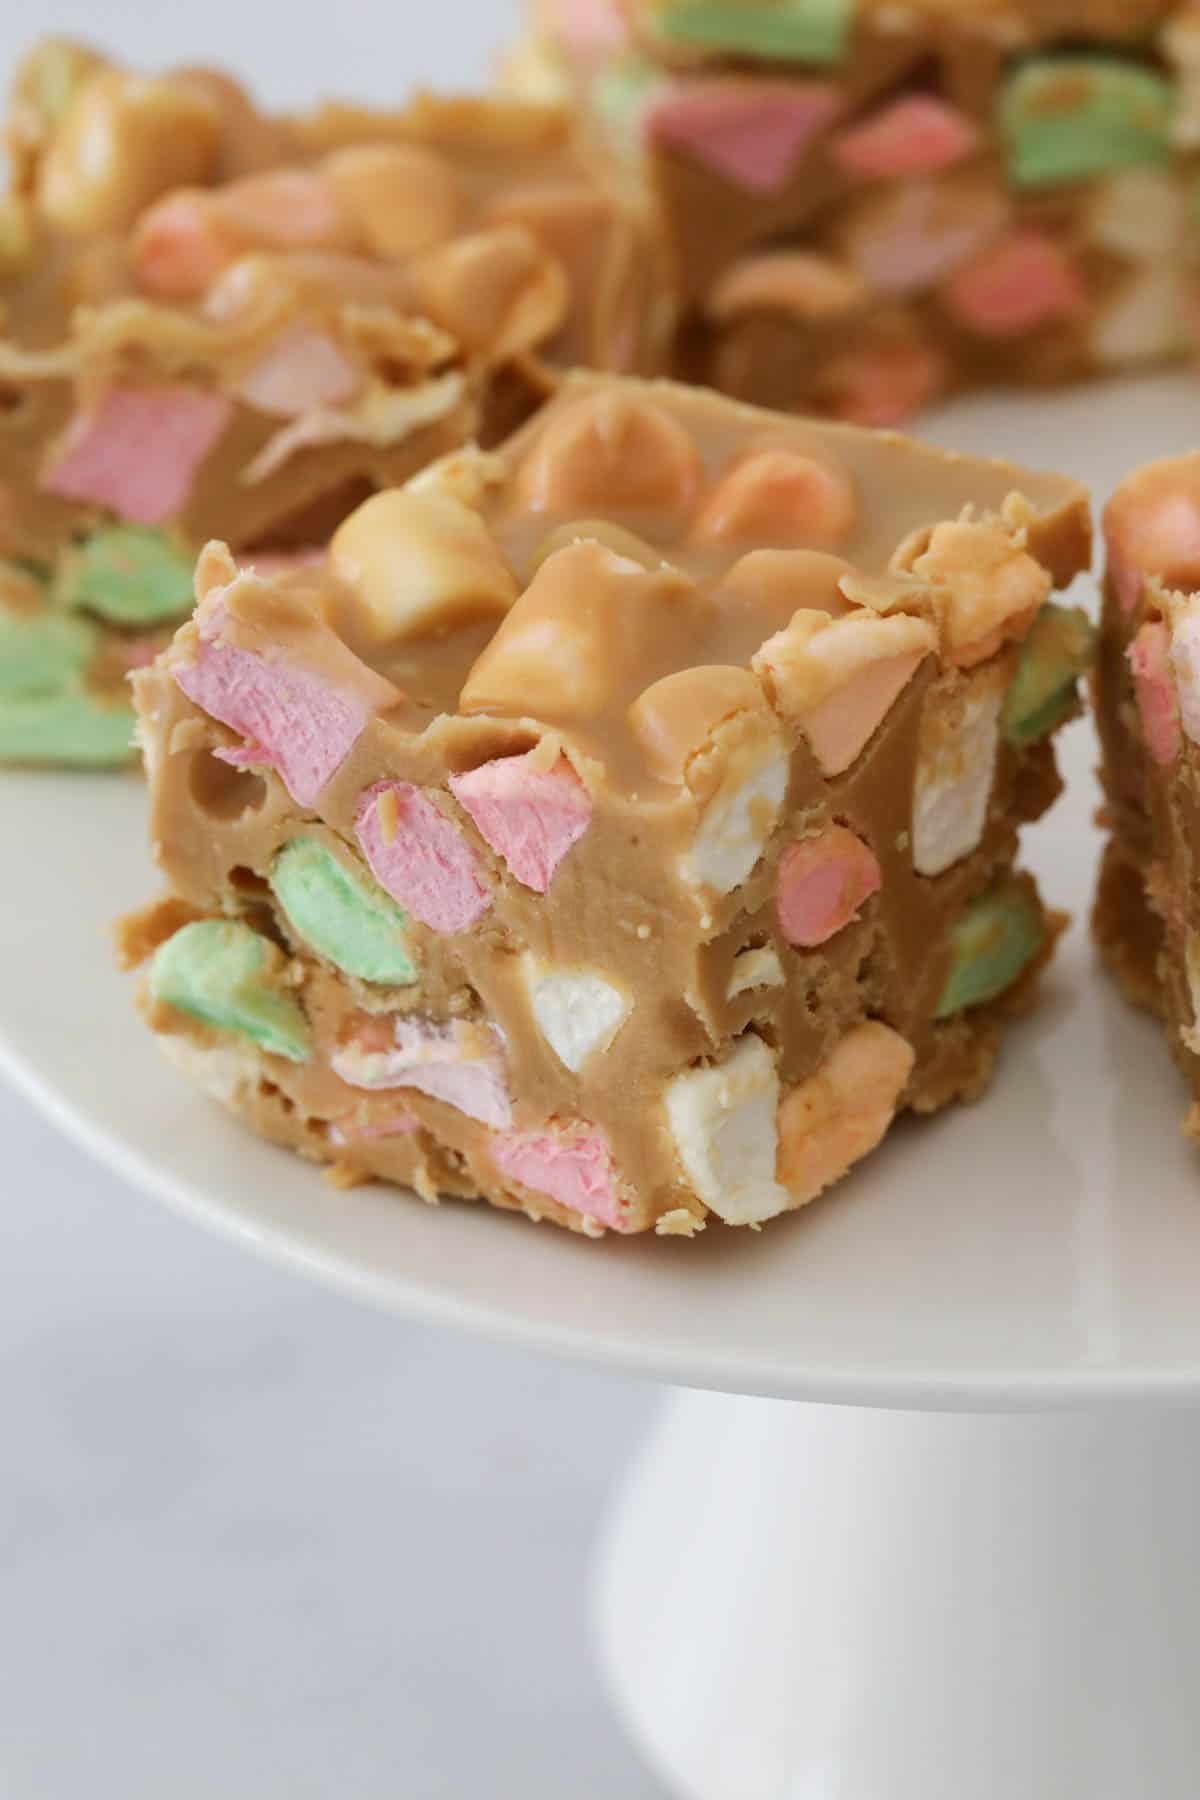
(916, 135)
(913, 242)
(430, 1058)
(823, 882)
(750, 132)
(179, 248)
(293, 720)
(884, 387)
(300, 370)
(1149, 658)
(425, 863)
(138, 451)
(1019, 283)
(529, 816)
(591, 27)
(575, 1169)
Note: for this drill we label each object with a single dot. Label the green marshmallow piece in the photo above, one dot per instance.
(348, 920)
(224, 973)
(995, 940)
(40, 653)
(47, 713)
(813, 31)
(1068, 118)
(129, 575)
(70, 729)
(1058, 650)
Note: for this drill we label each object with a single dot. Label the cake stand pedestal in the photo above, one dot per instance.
(817, 1603)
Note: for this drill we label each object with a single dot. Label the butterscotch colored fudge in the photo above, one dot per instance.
(866, 206)
(1147, 703)
(619, 826)
(214, 322)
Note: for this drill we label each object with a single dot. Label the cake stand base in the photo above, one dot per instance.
(809, 1603)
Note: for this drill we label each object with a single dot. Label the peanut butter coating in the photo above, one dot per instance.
(585, 786)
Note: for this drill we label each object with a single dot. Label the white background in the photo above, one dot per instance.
(255, 1543)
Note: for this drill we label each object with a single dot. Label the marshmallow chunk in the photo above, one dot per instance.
(723, 1123)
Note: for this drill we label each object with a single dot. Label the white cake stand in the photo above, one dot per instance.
(800, 1602)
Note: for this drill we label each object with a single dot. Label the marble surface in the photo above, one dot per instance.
(255, 1542)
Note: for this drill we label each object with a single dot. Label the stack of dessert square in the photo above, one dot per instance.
(218, 323)
(620, 825)
(866, 205)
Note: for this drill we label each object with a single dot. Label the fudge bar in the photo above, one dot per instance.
(619, 826)
(1147, 703)
(215, 322)
(866, 206)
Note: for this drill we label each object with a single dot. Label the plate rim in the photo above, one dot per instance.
(1029, 1390)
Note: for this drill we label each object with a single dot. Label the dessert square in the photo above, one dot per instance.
(620, 825)
(216, 322)
(866, 206)
(1147, 706)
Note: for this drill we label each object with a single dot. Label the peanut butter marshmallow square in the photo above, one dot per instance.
(1147, 704)
(619, 825)
(213, 321)
(867, 206)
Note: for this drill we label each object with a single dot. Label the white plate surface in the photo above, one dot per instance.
(1040, 1248)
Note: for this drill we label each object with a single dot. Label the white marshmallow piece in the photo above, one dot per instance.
(577, 1011)
(736, 824)
(1139, 213)
(754, 969)
(1147, 319)
(954, 780)
(1185, 666)
(453, 1063)
(723, 1121)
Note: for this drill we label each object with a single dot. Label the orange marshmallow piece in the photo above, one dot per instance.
(841, 1113)
(1152, 527)
(612, 452)
(402, 197)
(824, 881)
(780, 497)
(839, 678)
(679, 715)
(574, 636)
(497, 292)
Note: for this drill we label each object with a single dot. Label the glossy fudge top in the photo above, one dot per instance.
(639, 569)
